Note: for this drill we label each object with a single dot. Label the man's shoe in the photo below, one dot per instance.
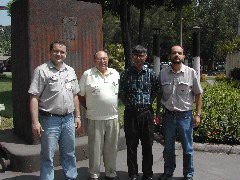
(147, 177)
(188, 178)
(165, 177)
(134, 177)
(92, 178)
(112, 178)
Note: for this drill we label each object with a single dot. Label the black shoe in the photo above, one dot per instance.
(133, 177)
(165, 177)
(147, 177)
(188, 178)
(112, 178)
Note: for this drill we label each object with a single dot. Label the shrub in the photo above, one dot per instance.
(116, 56)
(235, 74)
(221, 114)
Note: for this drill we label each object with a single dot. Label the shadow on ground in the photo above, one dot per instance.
(83, 175)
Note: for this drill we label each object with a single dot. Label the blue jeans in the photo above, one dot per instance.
(59, 130)
(180, 123)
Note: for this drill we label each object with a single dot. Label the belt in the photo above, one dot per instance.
(174, 112)
(139, 109)
(44, 113)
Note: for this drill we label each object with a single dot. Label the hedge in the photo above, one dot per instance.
(221, 114)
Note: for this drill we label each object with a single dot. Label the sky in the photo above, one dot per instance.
(5, 20)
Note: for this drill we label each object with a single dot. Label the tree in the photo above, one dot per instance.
(142, 5)
(218, 21)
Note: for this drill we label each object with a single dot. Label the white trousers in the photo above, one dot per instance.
(103, 140)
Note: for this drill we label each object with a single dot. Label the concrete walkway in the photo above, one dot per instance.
(215, 165)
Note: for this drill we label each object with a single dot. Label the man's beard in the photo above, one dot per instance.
(177, 62)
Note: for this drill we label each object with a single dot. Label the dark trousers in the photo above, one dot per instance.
(139, 125)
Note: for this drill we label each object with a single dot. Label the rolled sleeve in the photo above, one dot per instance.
(37, 84)
(82, 83)
(75, 85)
(197, 88)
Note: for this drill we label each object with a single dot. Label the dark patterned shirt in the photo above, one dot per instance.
(138, 89)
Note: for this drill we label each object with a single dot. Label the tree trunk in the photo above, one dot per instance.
(141, 22)
(125, 30)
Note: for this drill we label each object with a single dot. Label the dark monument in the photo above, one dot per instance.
(35, 24)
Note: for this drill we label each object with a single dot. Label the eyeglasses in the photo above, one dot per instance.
(140, 55)
(102, 59)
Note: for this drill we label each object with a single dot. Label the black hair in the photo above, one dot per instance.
(139, 49)
(56, 42)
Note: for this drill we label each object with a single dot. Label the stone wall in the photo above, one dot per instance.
(232, 61)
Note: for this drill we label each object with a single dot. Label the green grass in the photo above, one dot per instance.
(210, 77)
(6, 95)
(121, 113)
(6, 123)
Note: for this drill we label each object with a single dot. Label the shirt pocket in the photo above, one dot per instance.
(93, 89)
(69, 84)
(54, 84)
(183, 88)
(167, 87)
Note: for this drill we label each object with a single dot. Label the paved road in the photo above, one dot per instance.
(208, 166)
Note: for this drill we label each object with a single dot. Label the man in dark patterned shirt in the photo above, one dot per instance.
(137, 90)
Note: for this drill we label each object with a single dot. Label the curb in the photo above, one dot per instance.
(205, 147)
(212, 148)
(26, 158)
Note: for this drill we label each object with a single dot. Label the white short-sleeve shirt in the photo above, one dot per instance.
(101, 93)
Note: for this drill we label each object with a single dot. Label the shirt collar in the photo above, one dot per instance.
(51, 66)
(143, 69)
(109, 72)
(182, 69)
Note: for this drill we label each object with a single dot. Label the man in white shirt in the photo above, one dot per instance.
(99, 95)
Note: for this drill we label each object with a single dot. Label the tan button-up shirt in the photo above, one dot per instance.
(179, 89)
(55, 88)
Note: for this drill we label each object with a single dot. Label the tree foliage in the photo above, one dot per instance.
(5, 40)
(217, 20)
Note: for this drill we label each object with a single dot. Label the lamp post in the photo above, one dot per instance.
(156, 49)
(181, 27)
(196, 50)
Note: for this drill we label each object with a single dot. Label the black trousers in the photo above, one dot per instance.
(139, 125)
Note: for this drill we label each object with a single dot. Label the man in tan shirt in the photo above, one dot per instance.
(54, 109)
(179, 87)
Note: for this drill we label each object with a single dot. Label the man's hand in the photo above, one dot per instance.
(160, 118)
(77, 124)
(37, 129)
(196, 120)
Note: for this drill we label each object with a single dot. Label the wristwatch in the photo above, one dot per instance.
(198, 114)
